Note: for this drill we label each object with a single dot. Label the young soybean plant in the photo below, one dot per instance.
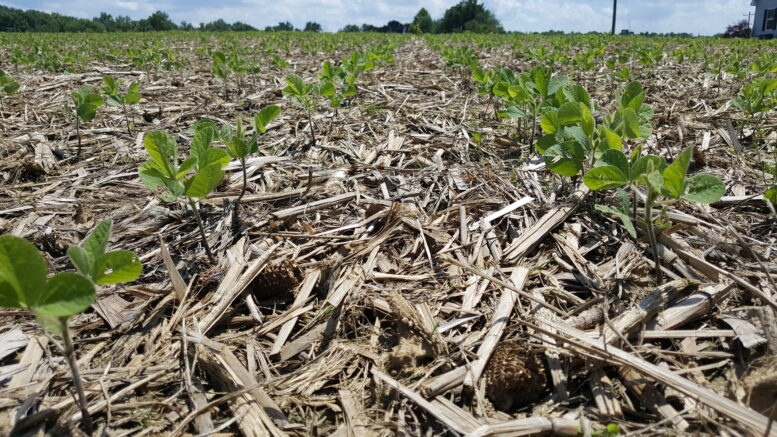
(195, 177)
(240, 146)
(614, 170)
(24, 284)
(114, 98)
(306, 96)
(9, 86)
(86, 103)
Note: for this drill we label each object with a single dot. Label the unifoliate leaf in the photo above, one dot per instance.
(605, 177)
(132, 97)
(704, 188)
(80, 260)
(117, 266)
(265, 116)
(203, 124)
(615, 158)
(608, 140)
(65, 295)
(544, 143)
(201, 143)
(587, 122)
(153, 178)
(162, 149)
(326, 89)
(674, 174)
(633, 96)
(204, 181)
(623, 216)
(111, 85)
(631, 123)
(655, 180)
(569, 114)
(114, 100)
(540, 80)
(556, 83)
(188, 165)
(771, 195)
(636, 153)
(97, 241)
(576, 93)
(296, 87)
(565, 158)
(22, 272)
(511, 112)
(643, 166)
(550, 122)
(216, 156)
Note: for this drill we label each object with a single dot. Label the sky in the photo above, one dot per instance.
(704, 17)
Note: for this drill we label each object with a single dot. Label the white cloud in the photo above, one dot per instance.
(693, 16)
(132, 6)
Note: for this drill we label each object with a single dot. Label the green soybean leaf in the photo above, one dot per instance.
(624, 218)
(576, 93)
(674, 174)
(605, 177)
(65, 295)
(631, 123)
(704, 188)
(204, 181)
(117, 266)
(216, 156)
(565, 159)
(132, 97)
(22, 272)
(587, 122)
(80, 260)
(550, 122)
(569, 113)
(203, 138)
(95, 243)
(633, 96)
(511, 112)
(640, 168)
(616, 158)
(556, 83)
(771, 195)
(544, 143)
(162, 148)
(608, 140)
(265, 116)
(655, 180)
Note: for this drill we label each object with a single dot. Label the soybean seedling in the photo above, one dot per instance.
(114, 98)
(240, 145)
(614, 170)
(194, 178)
(8, 85)
(24, 284)
(86, 103)
(306, 96)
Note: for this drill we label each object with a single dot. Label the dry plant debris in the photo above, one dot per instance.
(414, 266)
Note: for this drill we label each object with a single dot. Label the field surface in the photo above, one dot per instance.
(408, 262)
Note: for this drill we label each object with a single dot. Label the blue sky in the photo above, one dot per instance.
(694, 16)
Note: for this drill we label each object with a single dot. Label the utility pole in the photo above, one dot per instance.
(614, 12)
(748, 24)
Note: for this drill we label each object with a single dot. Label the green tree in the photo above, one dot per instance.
(424, 21)
(157, 21)
(469, 15)
(350, 28)
(312, 26)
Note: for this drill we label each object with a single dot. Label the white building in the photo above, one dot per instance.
(765, 24)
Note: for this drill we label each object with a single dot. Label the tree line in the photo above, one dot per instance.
(467, 15)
